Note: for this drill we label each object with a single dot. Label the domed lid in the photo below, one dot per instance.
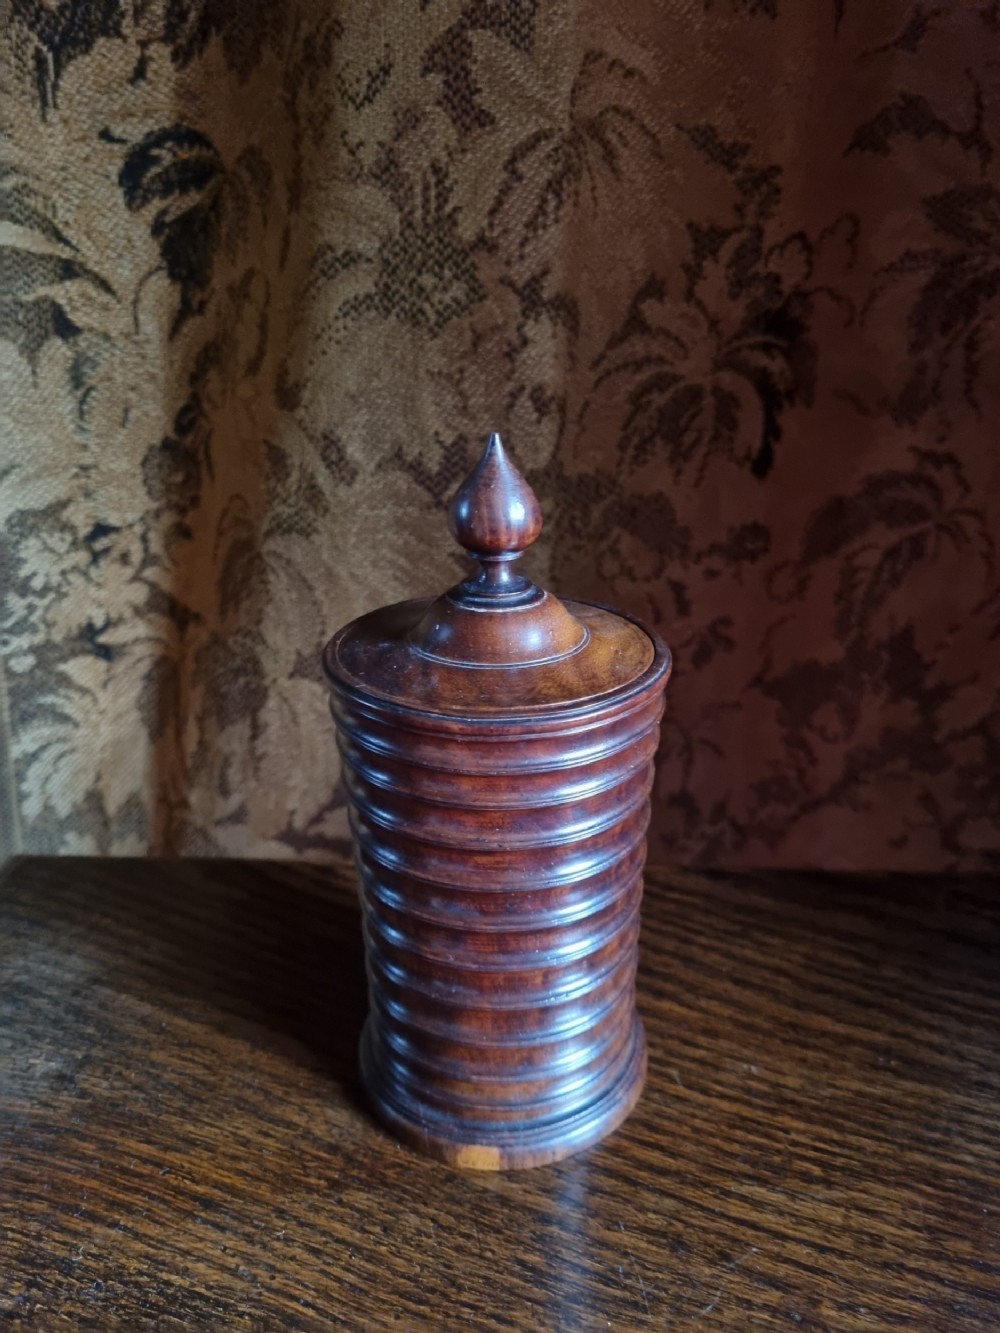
(495, 643)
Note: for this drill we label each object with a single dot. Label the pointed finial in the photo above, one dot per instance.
(495, 516)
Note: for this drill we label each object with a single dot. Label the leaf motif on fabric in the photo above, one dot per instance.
(46, 38)
(247, 30)
(336, 459)
(632, 540)
(969, 214)
(179, 169)
(422, 272)
(559, 168)
(894, 499)
(912, 116)
(951, 289)
(23, 204)
(716, 637)
(242, 570)
(690, 392)
(814, 695)
(33, 303)
(453, 461)
(894, 522)
(200, 206)
(229, 670)
(452, 56)
(298, 501)
(708, 373)
(171, 471)
(744, 544)
(359, 89)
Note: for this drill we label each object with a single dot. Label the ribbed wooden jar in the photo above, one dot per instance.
(500, 844)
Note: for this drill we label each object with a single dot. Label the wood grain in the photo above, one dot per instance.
(182, 1144)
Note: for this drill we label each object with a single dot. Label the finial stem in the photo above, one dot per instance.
(496, 578)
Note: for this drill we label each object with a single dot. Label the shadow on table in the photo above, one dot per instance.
(265, 950)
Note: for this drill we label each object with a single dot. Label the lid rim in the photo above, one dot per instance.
(501, 715)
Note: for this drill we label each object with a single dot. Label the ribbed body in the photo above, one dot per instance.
(500, 865)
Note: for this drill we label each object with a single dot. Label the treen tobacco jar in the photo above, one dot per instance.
(498, 750)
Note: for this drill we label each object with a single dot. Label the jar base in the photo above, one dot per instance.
(510, 1148)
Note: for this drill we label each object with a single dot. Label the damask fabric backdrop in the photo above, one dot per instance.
(725, 273)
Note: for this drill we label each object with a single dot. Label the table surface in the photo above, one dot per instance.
(183, 1144)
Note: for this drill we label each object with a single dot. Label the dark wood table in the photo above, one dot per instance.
(182, 1144)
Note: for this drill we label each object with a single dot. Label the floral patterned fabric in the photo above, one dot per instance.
(725, 273)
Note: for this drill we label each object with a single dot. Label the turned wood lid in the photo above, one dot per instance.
(495, 643)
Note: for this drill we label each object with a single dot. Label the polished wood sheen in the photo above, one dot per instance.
(497, 750)
(495, 516)
(183, 1145)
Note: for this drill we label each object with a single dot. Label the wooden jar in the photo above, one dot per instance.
(498, 753)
